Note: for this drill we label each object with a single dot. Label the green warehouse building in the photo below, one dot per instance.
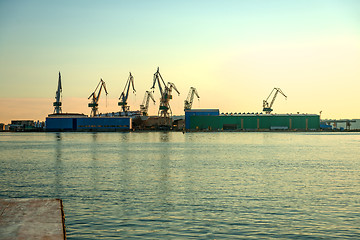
(252, 122)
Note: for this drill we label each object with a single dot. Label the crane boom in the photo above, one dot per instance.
(145, 104)
(57, 103)
(165, 92)
(125, 94)
(190, 98)
(267, 108)
(95, 98)
(158, 78)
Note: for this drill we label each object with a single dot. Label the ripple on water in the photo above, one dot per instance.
(191, 186)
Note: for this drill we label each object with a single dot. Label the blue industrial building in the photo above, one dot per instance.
(80, 122)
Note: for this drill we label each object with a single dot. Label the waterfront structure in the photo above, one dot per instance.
(253, 122)
(81, 122)
(30, 218)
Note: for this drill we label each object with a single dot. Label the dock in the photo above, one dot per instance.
(32, 219)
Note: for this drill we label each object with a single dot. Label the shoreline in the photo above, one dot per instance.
(185, 131)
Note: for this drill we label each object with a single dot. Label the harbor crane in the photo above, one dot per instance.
(125, 94)
(165, 92)
(190, 98)
(145, 104)
(95, 98)
(267, 108)
(57, 103)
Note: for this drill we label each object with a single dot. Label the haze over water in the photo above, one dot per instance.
(160, 185)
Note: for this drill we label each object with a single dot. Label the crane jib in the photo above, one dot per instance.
(268, 107)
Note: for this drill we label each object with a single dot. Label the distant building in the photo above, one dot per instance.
(21, 125)
(340, 124)
(2, 127)
(25, 125)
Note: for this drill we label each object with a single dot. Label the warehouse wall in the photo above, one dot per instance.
(54, 124)
(255, 122)
(88, 124)
(98, 124)
(199, 112)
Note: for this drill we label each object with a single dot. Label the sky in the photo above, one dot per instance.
(233, 52)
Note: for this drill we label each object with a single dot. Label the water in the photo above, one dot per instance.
(161, 185)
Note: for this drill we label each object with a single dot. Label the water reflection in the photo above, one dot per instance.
(58, 165)
(123, 181)
(164, 184)
(125, 137)
(165, 137)
(58, 139)
(94, 174)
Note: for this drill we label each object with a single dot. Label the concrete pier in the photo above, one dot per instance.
(32, 219)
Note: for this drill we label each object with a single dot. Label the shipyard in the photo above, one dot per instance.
(179, 119)
(128, 119)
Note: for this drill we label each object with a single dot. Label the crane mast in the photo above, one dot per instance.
(267, 108)
(145, 104)
(95, 98)
(57, 103)
(190, 98)
(125, 94)
(165, 92)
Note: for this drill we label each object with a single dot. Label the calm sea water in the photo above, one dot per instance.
(160, 185)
